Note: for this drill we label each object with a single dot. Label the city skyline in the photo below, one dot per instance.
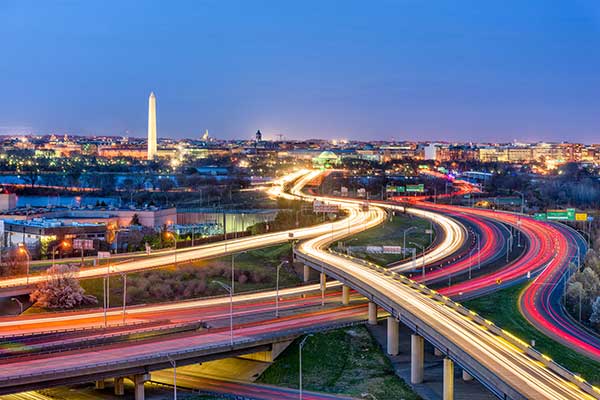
(397, 70)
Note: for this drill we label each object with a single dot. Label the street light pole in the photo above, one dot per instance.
(23, 249)
(422, 248)
(522, 201)
(509, 244)
(277, 290)
(18, 302)
(55, 247)
(300, 363)
(478, 251)
(104, 304)
(470, 261)
(124, 294)
(229, 289)
(174, 365)
(404, 232)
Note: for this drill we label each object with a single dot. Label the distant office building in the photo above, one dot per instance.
(430, 151)
(456, 153)
(519, 154)
(152, 139)
(8, 201)
(491, 154)
(258, 136)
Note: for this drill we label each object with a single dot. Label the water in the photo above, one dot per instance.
(66, 201)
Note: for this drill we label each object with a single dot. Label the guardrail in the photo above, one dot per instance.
(17, 336)
(473, 316)
(78, 343)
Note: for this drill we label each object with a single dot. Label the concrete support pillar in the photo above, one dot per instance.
(119, 387)
(448, 379)
(392, 336)
(323, 280)
(100, 384)
(345, 295)
(417, 355)
(138, 382)
(437, 352)
(306, 273)
(372, 313)
(466, 376)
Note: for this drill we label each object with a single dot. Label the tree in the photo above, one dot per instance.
(165, 184)
(10, 263)
(31, 175)
(595, 317)
(135, 220)
(61, 289)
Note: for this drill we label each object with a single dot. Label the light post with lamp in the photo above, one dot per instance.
(422, 248)
(171, 235)
(233, 256)
(229, 289)
(19, 303)
(522, 200)
(23, 250)
(300, 346)
(174, 365)
(63, 244)
(277, 289)
(404, 232)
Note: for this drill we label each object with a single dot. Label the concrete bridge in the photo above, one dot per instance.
(456, 350)
(136, 360)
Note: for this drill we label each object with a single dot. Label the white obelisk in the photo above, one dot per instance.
(152, 126)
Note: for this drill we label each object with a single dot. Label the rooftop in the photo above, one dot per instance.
(49, 223)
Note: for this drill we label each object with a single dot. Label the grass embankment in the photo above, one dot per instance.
(390, 233)
(502, 308)
(194, 280)
(345, 361)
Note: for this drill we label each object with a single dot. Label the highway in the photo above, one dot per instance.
(502, 354)
(188, 310)
(453, 240)
(113, 359)
(541, 302)
(552, 247)
(248, 390)
(524, 374)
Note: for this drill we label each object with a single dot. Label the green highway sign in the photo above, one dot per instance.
(540, 217)
(415, 188)
(561, 215)
(397, 189)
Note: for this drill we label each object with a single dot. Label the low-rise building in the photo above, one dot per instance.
(38, 231)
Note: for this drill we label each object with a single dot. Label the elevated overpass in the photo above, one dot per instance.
(135, 360)
(509, 367)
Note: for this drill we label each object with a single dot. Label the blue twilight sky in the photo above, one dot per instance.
(492, 70)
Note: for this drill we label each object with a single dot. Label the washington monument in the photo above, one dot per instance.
(151, 126)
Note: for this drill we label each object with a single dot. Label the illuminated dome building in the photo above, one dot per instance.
(326, 159)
